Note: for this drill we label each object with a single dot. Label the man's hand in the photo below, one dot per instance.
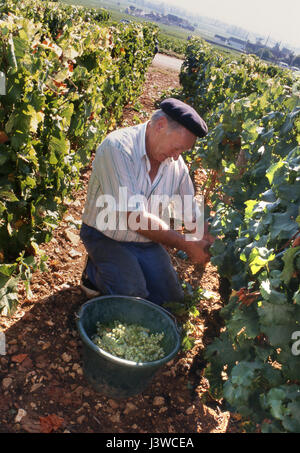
(198, 252)
(207, 236)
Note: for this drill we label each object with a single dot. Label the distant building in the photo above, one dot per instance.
(236, 43)
(222, 39)
(169, 19)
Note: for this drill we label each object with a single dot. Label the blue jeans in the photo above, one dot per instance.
(130, 268)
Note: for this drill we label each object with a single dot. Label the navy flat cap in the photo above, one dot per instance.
(185, 115)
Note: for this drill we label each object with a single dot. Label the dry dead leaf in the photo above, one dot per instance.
(296, 242)
(19, 358)
(50, 423)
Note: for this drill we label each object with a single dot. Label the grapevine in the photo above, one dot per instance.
(68, 76)
(253, 113)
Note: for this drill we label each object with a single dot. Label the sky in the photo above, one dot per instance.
(278, 18)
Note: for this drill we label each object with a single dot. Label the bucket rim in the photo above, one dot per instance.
(130, 363)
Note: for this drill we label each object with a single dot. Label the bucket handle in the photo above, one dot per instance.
(77, 313)
(179, 330)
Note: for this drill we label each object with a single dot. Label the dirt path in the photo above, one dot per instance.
(42, 387)
(164, 61)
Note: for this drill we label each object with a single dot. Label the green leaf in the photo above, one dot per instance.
(270, 294)
(292, 424)
(283, 226)
(222, 349)
(59, 145)
(30, 182)
(3, 280)
(8, 195)
(279, 334)
(244, 323)
(35, 119)
(250, 204)
(277, 321)
(275, 399)
(52, 159)
(289, 268)
(20, 44)
(273, 169)
(259, 258)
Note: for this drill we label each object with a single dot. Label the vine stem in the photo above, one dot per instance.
(289, 241)
(213, 180)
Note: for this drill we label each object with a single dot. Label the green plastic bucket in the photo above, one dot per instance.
(113, 376)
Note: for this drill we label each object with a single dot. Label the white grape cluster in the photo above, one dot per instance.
(129, 341)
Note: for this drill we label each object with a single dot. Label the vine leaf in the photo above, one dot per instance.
(288, 259)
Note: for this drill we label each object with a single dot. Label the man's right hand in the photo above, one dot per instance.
(198, 252)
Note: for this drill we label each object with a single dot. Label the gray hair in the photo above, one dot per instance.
(171, 123)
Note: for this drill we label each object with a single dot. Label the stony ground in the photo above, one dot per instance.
(42, 386)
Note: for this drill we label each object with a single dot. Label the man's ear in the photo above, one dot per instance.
(162, 124)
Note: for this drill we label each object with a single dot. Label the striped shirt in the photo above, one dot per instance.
(121, 161)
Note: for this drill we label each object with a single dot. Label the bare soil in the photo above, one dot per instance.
(42, 386)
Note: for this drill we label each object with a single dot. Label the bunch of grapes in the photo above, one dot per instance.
(129, 341)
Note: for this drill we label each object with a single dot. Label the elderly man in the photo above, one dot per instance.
(124, 239)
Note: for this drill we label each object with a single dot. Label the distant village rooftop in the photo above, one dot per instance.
(167, 19)
(283, 57)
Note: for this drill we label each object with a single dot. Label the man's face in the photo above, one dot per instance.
(173, 142)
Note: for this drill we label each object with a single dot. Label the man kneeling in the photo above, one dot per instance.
(137, 170)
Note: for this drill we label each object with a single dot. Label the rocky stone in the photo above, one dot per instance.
(35, 387)
(72, 237)
(66, 357)
(190, 410)
(163, 409)
(113, 404)
(6, 382)
(115, 418)
(80, 419)
(130, 407)
(74, 253)
(46, 345)
(21, 413)
(158, 401)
